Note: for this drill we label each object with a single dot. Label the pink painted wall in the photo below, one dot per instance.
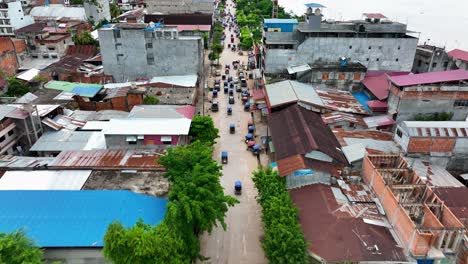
(156, 140)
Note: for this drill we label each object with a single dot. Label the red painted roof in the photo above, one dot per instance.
(374, 15)
(337, 235)
(258, 94)
(429, 77)
(377, 83)
(458, 54)
(376, 104)
(188, 111)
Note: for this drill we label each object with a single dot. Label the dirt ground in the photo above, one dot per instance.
(150, 182)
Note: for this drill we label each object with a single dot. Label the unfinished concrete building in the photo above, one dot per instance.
(375, 42)
(425, 226)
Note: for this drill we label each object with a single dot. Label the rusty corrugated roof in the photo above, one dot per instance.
(296, 130)
(338, 236)
(108, 159)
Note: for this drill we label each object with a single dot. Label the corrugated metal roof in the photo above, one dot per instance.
(162, 111)
(335, 117)
(379, 120)
(108, 159)
(59, 11)
(430, 77)
(5, 110)
(14, 162)
(436, 128)
(148, 126)
(69, 140)
(290, 92)
(75, 218)
(82, 89)
(279, 21)
(432, 174)
(342, 101)
(313, 5)
(44, 180)
(374, 15)
(28, 75)
(459, 54)
(299, 68)
(26, 99)
(296, 130)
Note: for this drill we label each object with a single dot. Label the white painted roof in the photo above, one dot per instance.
(44, 180)
(95, 125)
(148, 126)
(432, 174)
(298, 68)
(28, 75)
(436, 128)
(292, 91)
(59, 11)
(356, 147)
(179, 80)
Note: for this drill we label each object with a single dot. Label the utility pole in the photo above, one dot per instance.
(275, 9)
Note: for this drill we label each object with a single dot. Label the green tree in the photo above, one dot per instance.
(284, 241)
(16, 87)
(76, 2)
(196, 198)
(85, 38)
(203, 129)
(142, 244)
(16, 248)
(114, 10)
(150, 100)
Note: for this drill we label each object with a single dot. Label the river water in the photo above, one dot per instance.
(442, 23)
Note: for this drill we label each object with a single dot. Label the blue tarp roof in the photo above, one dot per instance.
(280, 21)
(75, 218)
(314, 5)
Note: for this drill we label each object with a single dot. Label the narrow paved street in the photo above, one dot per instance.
(240, 243)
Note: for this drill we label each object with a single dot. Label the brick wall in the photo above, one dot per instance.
(8, 60)
(427, 145)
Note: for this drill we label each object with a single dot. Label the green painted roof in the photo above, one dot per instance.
(82, 89)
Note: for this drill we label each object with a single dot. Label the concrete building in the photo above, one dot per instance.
(459, 59)
(443, 143)
(12, 18)
(97, 10)
(180, 6)
(427, 94)
(147, 50)
(376, 43)
(146, 133)
(339, 75)
(42, 44)
(430, 59)
(424, 224)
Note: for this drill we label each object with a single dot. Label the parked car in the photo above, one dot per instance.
(238, 88)
(231, 100)
(217, 84)
(241, 74)
(235, 79)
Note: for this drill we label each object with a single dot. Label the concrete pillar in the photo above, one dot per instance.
(441, 239)
(449, 238)
(456, 242)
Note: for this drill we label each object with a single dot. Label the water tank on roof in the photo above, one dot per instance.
(318, 12)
